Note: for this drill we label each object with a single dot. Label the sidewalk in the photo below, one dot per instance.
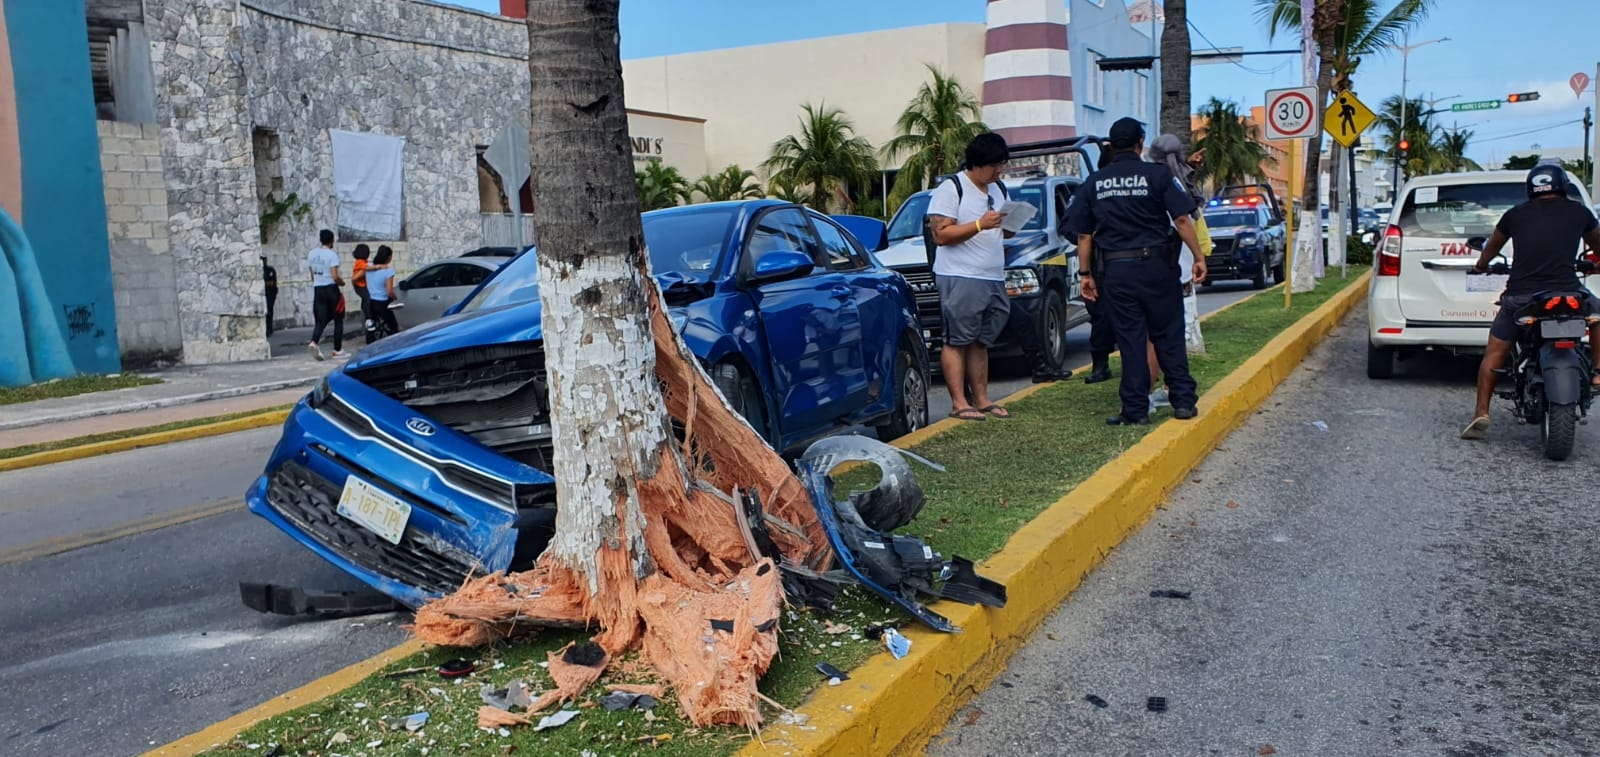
(186, 393)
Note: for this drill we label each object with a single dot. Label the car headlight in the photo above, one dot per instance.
(319, 393)
(1247, 240)
(679, 319)
(1020, 281)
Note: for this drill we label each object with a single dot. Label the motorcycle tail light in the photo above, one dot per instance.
(1553, 303)
(1572, 302)
(1566, 344)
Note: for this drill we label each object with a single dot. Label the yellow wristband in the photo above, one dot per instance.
(978, 225)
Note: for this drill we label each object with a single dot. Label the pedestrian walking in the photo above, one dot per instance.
(326, 283)
(269, 277)
(1131, 208)
(969, 268)
(380, 281)
(358, 281)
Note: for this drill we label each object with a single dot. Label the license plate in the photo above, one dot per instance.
(1486, 283)
(374, 509)
(1562, 329)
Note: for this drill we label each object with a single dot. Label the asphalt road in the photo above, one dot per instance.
(139, 638)
(1381, 588)
(1011, 375)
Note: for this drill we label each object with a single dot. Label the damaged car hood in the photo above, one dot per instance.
(517, 322)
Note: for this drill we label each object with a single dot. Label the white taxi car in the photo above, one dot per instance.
(1421, 296)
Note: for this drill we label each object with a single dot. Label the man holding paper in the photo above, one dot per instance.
(970, 218)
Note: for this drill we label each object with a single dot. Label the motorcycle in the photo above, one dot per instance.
(1550, 367)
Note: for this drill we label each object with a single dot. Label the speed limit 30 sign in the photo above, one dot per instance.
(1292, 113)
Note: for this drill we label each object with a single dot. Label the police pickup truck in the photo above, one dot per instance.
(1041, 265)
(1248, 239)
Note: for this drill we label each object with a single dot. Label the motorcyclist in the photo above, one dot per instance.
(1545, 230)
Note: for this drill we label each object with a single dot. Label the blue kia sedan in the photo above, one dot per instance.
(424, 459)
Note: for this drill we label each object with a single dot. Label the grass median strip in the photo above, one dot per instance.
(73, 386)
(111, 436)
(1001, 474)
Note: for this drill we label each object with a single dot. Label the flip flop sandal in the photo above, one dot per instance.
(996, 411)
(1477, 429)
(969, 414)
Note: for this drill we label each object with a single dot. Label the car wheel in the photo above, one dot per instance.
(911, 398)
(1277, 273)
(1380, 362)
(742, 396)
(1054, 323)
(1259, 281)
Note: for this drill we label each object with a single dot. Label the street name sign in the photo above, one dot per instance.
(1291, 113)
(1476, 105)
(1347, 118)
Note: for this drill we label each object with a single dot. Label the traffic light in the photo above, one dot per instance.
(1522, 97)
(1404, 147)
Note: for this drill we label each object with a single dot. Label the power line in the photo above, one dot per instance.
(1214, 46)
(1514, 135)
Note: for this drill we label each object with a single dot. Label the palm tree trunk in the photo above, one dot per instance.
(1175, 106)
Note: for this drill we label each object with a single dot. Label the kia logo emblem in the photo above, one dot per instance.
(420, 427)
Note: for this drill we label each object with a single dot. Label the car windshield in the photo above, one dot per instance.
(908, 221)
(684, 242)
(1465, 210)
(1219, 219)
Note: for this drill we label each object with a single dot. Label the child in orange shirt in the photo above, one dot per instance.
(358, 278)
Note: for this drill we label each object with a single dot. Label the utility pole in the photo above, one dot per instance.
(1405, 59)
(1588, 165)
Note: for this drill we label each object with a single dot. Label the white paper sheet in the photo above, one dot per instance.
(1017, 214)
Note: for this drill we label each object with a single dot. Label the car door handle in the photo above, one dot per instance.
(839, 293)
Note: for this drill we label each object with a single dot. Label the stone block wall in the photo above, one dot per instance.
(144, 281)
(445, 79)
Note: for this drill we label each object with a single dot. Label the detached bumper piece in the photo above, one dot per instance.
(897, 568)
(293, 600)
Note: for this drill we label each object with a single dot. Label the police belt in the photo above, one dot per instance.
(1142, 253)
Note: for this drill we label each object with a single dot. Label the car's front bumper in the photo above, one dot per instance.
(449, 535)
(1234, 263)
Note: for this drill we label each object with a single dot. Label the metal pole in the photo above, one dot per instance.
(1288, 230)
(1594, 180)
(1405, 58)
(1355, 213)
(1588, 167)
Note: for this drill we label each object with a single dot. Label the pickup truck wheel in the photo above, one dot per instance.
(1259, 281)
(740, 391)
(1053, 320)
(911, 398)
(1380, 362)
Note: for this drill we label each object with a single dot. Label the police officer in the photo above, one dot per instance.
(1129, 209)
(1102, 336)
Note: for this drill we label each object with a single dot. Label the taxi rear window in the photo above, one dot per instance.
(1464, 210)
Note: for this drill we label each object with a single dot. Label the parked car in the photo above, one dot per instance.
(1247, 241)
(426, 457)
(426, 294)
(1421, 297)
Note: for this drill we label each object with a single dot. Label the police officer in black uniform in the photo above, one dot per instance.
(1130, 209)
(269, 276)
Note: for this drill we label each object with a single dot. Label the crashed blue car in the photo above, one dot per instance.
(425, 458)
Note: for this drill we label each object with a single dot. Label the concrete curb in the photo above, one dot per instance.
(894, 706)
(188, 399)
(93, 449)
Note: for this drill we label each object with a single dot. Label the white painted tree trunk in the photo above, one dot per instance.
(1196, 343)
(607, 415)
(1307, 242)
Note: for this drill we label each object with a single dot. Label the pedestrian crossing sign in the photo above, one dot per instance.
(1347, 118)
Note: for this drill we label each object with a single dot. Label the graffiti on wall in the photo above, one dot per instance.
(57, 312)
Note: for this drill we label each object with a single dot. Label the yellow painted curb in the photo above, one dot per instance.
(321, 688)
(354, 674)
(891, 707)
(94, 449)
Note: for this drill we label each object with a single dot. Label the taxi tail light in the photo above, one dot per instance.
(1389, 252)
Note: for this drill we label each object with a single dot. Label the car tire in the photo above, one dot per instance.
(1053, 322)
(742, 395)
(911, 398)
(1259, 281)
(1380, 362)
(1277, 270)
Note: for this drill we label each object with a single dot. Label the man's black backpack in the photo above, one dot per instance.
(927, 229)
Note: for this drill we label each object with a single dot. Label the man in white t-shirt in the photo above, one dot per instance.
(969, 266)
(323, 263)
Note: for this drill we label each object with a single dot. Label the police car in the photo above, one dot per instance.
(1421, 297)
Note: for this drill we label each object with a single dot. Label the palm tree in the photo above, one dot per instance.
(1175, 62)
(826, 155)
(660, 186)
(732, 183)
(781, 188)
(1345, 32)
(1230, 148)
(1453, 147)
(932, 133)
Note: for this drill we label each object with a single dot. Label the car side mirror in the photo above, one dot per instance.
(404, 285)
(1477, 243)
(782, 265)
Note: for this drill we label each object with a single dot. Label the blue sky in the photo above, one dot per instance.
(1496, 48)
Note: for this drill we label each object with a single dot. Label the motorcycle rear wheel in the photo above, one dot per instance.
(1559, 431)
